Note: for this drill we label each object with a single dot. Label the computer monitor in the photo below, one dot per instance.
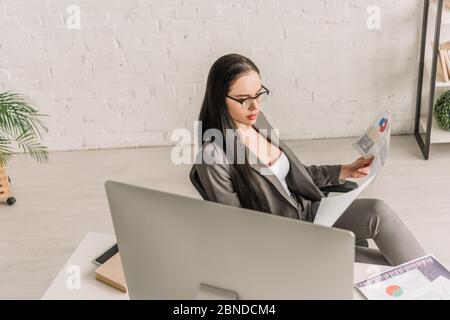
(176, 247)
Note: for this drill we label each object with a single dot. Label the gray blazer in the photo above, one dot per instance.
(303, 181)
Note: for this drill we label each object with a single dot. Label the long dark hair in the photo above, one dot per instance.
(214, 115)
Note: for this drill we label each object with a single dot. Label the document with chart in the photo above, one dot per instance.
(423, 278)
(374, 141)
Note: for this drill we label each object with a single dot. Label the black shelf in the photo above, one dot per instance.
(424, 144)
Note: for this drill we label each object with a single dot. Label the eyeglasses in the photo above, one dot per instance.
(247, 102)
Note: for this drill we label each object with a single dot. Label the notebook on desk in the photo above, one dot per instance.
(111, 273)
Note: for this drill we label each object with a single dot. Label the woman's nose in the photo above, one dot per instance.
(254, 105)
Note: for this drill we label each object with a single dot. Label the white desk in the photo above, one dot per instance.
(90, 288)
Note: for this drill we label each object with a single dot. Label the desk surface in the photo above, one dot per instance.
(91, 289)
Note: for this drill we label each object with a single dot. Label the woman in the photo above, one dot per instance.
(277, 182)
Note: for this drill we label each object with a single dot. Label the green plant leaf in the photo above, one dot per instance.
(5, 151)
(20, 122)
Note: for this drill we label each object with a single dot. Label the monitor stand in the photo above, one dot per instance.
(207, 292)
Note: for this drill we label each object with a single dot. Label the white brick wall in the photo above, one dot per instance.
(137, 68)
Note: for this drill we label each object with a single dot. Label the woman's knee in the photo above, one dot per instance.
(368, 211)
(379, 207)
(377, 211)
(376, 208)
(381, 211)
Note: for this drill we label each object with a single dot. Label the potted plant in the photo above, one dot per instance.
(20, 129)
(442, 111)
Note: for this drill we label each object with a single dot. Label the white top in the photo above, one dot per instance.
(281, 168)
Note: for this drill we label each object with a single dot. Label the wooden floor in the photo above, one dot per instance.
(59, 202)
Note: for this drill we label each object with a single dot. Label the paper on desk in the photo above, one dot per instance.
(330, 209)
(422, 278)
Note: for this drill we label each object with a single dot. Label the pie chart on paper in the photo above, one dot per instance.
(394, 291)
(383, 124)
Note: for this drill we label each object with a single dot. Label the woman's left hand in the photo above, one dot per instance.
(359, 168)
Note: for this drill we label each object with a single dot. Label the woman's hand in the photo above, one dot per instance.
(359, 168)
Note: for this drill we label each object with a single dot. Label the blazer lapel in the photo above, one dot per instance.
(313, 191)
(265, 172)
